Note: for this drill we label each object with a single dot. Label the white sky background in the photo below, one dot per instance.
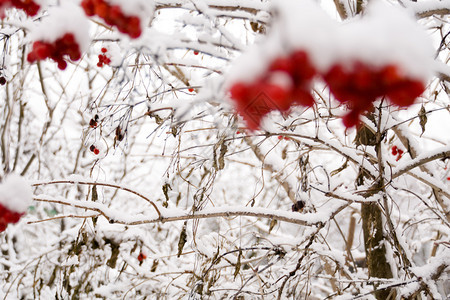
(146, 159)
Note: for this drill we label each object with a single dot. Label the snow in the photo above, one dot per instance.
(386, 34)
(230, 211)
(65, 18)
(15, 193)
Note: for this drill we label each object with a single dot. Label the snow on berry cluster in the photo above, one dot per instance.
(15, 197)
(59, 42)
(63, 46)
(30, 7)
(113, 16)
(382, 54)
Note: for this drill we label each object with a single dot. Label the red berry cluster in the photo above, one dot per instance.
(141, 257)
(256, 99)
(113, 16)
(29, 6)
(357, 85)
(397, 152)
(360, 85)
(103, 59)
(94, 149)
(56, 50)
(8, 216)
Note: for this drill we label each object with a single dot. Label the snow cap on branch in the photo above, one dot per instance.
(298, 25)
(386, 34)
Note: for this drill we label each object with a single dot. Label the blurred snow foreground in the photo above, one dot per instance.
(224, 149)
(15, 197)
(15, 193)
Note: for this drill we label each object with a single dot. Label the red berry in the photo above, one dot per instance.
(278, 96)
(113, 15)
(405, 92)
(3, 226)
(3, 210)
(351, 119)
(390, 75)
(102, 10)
(141, 257)
(92, 123)
(62, 65)
(239, 91)
(104, 50)
(282, 64)
(92, 148)
(88, 7)
(12, 217)
(2, 80)
(196, 52)
(191, 90)
(96, 151)
(394, 150)
(302, 97)
(280, 137)
(304, 70)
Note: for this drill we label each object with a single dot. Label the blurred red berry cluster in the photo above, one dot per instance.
(113, 16)
(30, 7)
(285, 83)
(360, 85)
(8, 216)
(103, 59)
(56, 50)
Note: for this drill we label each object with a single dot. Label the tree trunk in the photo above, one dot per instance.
(375, 247)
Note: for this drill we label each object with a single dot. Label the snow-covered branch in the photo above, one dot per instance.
(107, 184)
(172, 215)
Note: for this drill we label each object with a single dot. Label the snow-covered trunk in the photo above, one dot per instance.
(375, 239)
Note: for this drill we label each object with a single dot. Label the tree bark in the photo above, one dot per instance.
(374, 246)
